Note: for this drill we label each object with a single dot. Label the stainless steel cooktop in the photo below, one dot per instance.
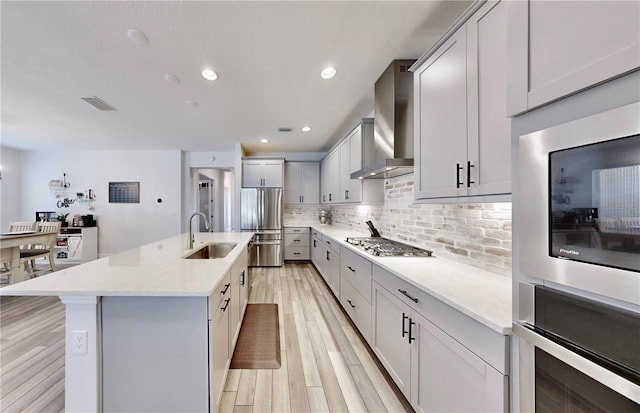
(382, 247)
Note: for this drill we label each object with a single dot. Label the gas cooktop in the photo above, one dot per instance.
(382, 247)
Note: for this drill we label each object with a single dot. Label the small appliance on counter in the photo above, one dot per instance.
(84, 221)
(325, 217)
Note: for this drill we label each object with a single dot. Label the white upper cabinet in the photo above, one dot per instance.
(463, 137)
(258, 173)
(302, 183)
(557, 48)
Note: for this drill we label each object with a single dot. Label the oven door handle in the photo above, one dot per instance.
(591, 369)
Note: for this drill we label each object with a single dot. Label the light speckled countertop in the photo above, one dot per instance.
(155, 269)
(481, 295)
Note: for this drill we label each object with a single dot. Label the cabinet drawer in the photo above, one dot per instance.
(221, 293)
(315, 233)
(357, 270)
(296, 240)
(297, 253)
(357, 306)
(331, 243)
(297, 230)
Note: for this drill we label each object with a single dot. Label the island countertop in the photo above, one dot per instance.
(156, 269)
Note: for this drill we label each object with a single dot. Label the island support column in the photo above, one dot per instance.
(82, 383)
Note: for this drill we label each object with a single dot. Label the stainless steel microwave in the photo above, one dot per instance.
(579, 204)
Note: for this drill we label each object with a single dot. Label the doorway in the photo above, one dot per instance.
(213, 195)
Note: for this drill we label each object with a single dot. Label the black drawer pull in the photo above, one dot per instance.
(469, 166)
(411, 324)
(351, 304)
(349, 267)
(226, 288)
(226, 304)
(415, 300)
(296, 253)
(404, 328)
(458, 169)
(297, 240)
(242, 278)
(297, 230)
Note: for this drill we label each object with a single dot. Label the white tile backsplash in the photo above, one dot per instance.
(478, 234)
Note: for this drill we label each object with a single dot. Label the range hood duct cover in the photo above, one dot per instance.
(393, 124)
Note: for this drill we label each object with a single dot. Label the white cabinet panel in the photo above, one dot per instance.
(262, 173)
(558, 48)
(302, 183)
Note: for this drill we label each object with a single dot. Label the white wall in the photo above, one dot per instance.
(10, 187)
(121, 226)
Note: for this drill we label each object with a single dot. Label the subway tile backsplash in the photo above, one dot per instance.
(478, 234)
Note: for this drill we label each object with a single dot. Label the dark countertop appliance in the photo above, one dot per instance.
(383, 247)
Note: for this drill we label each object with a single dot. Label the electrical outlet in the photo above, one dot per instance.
(79, 341)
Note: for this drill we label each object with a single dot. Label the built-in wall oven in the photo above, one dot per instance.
(578, 215)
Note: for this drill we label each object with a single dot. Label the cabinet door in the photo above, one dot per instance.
(344, 172)
(251, 174)
(293, 182)
(272, 173)
(325, 178)
(390, 340)
(316, 254)
(332, 267)
(447, 377)
(441, 86)
(219, 355)
(310, 183)
(489, 136)
(334, 177)
(560, 47)
(355, 163)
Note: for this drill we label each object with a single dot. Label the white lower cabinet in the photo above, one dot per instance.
(326, 258)
(220, 349)
(435, 371)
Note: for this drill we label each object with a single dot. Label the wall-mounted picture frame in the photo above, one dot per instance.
(124, 192)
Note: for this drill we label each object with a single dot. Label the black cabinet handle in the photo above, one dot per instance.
(301, 198)
(329, 197)
(415, 300)
(458, 169)
(297, 240)
(242, 278)
(346, 194)
(296, 253)
(314, 244)
(328, 256)
(349, 267)
(226, 288)
(351, 304)
(226, 304)
(404, 329)
(411, 324)
(324, 198)
(469, 181)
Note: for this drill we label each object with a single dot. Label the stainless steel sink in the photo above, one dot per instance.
(212, 251)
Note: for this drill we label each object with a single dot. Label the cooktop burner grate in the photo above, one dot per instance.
(382, 247)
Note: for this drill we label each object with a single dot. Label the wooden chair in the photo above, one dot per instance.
(29, 255)
(14, 226)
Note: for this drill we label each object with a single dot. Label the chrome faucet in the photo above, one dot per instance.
(191, 238)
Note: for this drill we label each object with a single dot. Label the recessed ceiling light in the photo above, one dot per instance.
(172, 78)
(328, 72)
(137, 36)
(264, 140)
(306, 128)
(193, 103)
(209, 74)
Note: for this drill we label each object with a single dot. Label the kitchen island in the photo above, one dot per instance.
(147, 329)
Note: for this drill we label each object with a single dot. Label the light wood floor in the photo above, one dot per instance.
(31, 354)
(326, 366)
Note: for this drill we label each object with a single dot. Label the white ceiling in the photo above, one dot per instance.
(268, 56)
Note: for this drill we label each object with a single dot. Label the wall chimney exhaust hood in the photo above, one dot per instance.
(393, 124)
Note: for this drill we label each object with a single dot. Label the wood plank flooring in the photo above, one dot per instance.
(31, 354)
(326, 366)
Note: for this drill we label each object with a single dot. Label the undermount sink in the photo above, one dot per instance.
(212, 251)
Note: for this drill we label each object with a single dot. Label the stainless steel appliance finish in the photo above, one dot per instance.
(382, 247)
(533, 201)
(576, 353)
(261, 212)
(393, 124)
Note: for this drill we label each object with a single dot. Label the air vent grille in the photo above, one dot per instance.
(98, 103)
(285, 129)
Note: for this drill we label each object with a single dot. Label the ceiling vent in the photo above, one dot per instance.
(98, 103)
(285, 129)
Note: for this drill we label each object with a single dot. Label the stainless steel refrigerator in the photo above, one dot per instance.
(261, 212)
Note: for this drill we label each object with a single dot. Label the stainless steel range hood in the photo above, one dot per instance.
(393, 124)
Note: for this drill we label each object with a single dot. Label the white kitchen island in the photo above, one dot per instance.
(146, 329)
